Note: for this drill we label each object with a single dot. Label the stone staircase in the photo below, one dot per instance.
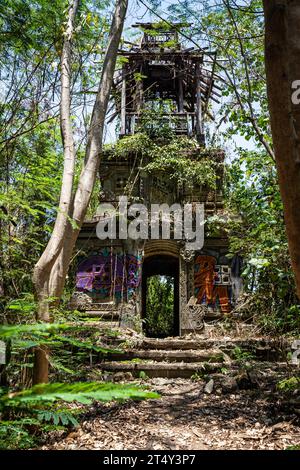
(180, 357)
(104, 313)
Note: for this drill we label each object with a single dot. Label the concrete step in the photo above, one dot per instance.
(103, 314)
(162, 369)
(101, 325)
(260, 348)
(187, 356)
(187, 370)
(175, 343)
(103, 305)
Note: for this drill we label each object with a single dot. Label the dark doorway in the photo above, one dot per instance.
(160, 296)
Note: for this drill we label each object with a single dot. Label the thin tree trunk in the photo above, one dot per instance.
(282, 58)
(43, 267)
(51, 270)
(92, 154)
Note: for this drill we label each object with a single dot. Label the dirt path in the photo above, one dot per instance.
(185, 418)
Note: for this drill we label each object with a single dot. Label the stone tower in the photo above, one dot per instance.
(161, 95)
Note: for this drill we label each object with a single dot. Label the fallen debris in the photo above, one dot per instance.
(185, 418)
(209, 387)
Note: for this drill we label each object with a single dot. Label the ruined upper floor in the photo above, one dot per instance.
(164, 83)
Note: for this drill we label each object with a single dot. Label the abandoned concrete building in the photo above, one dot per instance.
(162, 91)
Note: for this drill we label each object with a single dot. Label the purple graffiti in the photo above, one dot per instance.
(134, 271)
(108, 273)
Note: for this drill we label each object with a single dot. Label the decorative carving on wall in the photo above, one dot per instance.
(211, 282)
(129, 316)
(183, 298)
(193, 315)
(190, 280)
(187, 255)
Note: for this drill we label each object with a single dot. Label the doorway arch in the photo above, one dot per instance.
(166, 266)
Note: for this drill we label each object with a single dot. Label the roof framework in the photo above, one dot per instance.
(160, 71)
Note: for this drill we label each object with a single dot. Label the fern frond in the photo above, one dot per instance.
(56, 417)
(10, 331)
(59, 366)
(80, 392)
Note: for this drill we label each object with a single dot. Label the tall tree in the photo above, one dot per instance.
(51, 269)
(31, 146)
(282, 59)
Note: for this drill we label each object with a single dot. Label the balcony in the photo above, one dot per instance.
(180, 123)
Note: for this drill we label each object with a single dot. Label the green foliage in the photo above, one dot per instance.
(15, 435)
(289, 385)
(181, 159)
(258, 233)
(236, 34)
(65, 418)
(143, 375)
(30, 141)
(259, 237)
(242, 356)
(94, 201)
(87, 345)
(129, 145)
(69, 347)
(157, 119)
(24, 304)
(173, 159)
(160, 306)
(240, 40)
(30, 179)
(30, 173)
(157, 27)
(38, 410)
(196, 377)
(84, 393)
(29, 188)
(43, 329)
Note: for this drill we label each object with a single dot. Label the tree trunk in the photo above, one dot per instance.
(92, 154)
(43, 267)
(51, 270)
(282, 58)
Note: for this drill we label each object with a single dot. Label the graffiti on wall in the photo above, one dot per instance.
(108, 274)
(212, 282)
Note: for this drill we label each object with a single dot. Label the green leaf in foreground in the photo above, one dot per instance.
(84, 393)
(11, 331)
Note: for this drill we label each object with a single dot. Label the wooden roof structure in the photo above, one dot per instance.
(159, 69)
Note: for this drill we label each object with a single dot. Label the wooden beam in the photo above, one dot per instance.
(123, 103)
(180, 95)
(139, 92)
(199, 123)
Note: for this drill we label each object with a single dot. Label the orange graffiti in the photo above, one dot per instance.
(204, 282)
(221, 292)
(204, 278)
